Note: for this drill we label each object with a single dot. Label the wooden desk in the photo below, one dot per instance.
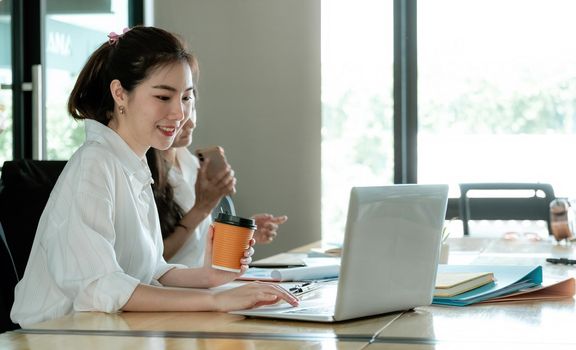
(19, 341)
(202, 330)
(527, 325)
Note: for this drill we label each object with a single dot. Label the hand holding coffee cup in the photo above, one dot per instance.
(232, 235)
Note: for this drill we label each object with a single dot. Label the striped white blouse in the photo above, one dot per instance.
(98, 237)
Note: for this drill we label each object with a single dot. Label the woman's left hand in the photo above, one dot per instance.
(218, 277)
(267, 227)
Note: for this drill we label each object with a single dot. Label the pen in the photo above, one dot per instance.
(309, 286)
(563, 261)
(301, 289)
(304, 288)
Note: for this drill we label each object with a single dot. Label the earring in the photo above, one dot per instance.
(122, 110)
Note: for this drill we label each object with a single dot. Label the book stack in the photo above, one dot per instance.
(461, 285)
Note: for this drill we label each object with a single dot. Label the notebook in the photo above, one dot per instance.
(389, 256)
(449, 284)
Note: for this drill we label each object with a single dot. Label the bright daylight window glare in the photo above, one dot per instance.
(5, 83)
(357, 109)
(496, 92)
(70, 39)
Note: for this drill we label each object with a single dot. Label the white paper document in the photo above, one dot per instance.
(305, 273)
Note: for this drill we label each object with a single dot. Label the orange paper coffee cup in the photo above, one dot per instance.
(232, 236)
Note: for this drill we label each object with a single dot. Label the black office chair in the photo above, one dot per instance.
(26, 186)
(9, 281)
(534, 207)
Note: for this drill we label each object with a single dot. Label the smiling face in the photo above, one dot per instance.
(155, 109)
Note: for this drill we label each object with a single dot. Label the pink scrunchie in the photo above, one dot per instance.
(114, 37)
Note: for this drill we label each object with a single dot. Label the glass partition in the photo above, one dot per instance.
(73, 30)
(6, 132)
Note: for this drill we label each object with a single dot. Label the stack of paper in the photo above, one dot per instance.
(291, 274)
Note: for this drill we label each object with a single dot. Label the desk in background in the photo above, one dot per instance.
(526, 325)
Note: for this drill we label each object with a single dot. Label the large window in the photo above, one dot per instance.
(496, 95)
(357, 109)
(497, 92)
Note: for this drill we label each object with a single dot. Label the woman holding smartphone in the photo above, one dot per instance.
(187, 190)
(98, 246)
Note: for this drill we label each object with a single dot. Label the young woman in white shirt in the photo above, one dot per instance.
(185, 198)
(98, 245)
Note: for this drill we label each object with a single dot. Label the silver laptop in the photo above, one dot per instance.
(389, 257)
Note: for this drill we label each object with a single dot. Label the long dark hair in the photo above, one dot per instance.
(169, 211)
(130, 59)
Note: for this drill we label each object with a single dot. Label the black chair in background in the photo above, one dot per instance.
(9, 281)
(25, 188)
(498, 203)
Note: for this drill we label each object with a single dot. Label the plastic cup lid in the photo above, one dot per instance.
(235, 220)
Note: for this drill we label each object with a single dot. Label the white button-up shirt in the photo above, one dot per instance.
(98, 237)
(183, 181)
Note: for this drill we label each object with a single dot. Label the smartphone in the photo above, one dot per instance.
(217, 158)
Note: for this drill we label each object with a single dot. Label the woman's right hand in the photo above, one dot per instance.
(209, 192)
(252, 295)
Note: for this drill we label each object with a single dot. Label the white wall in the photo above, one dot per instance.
(260, 99)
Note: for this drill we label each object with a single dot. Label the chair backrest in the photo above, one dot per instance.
(225, 206)
(26, 186)
(535, 206)
(9, 280)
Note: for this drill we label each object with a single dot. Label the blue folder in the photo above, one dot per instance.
(508, 279)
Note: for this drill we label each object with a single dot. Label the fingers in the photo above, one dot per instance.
(208, 249)
(210, 238)
(280, 219)
(252, 295)
(266, 233)
(224, 176)
(226, 183)
(247, 259)
(265, 236)
(278, 293)
(209, 192)
(267, 226)
(244, 268)
(269, 218)
(249, 252)
(245, 264)
(262, 217)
